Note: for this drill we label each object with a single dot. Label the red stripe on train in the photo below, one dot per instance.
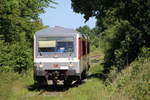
(79, 47)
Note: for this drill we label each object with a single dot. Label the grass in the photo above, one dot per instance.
(133, 83)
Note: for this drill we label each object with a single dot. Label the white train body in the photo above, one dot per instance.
(60, 54)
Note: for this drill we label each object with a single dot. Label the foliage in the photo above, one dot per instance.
(132, 82)
(16, 57)
(19, 18)
(13, 86)
(91, 33)
(122, 44)
(123, 26)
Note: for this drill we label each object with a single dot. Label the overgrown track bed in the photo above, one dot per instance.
(53, 90)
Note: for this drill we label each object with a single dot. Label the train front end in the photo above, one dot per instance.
(55, 58)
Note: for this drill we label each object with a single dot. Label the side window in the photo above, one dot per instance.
(84, 47)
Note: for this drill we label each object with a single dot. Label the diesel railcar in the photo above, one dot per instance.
(60, 54)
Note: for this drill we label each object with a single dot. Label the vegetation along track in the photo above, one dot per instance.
(125, 86)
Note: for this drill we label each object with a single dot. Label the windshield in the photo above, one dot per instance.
(49, 45)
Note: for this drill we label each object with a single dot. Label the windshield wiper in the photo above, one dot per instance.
(40, 52)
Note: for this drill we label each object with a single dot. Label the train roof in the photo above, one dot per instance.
(56, 31)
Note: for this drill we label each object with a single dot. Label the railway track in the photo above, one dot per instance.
(56, 90)
(49, 93)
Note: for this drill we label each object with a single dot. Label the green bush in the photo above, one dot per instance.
(15, 57)
(132, 82)
(122, 44)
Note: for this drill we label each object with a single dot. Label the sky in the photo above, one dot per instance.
(62, 15)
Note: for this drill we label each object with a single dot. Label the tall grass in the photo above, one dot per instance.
(132, 83)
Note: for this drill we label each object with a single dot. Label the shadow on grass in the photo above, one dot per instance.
(61, 87)
(53, 88)
(100, 76)
(97, 75)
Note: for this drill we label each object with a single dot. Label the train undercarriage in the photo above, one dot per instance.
(54, 77)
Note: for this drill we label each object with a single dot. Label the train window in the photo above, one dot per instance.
(47, 45)
(83, 47)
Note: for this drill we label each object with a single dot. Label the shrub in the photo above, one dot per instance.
(15, 57)
(132, 82)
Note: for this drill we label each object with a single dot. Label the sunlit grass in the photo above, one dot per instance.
(131, 84)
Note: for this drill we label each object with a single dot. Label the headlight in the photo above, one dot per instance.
(41, 65)
(70, 65)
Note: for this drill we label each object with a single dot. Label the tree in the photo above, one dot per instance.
(19, 18)
(124, 24)
(91, 33)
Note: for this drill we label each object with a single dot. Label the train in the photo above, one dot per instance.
(60, 54)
